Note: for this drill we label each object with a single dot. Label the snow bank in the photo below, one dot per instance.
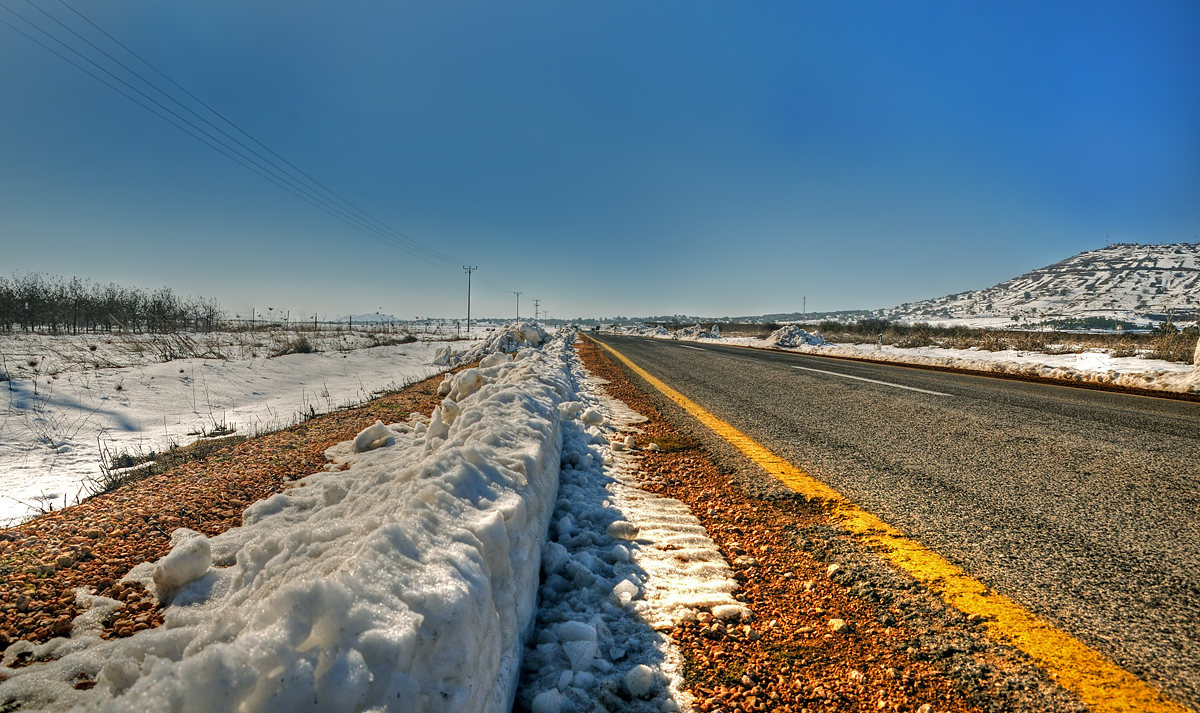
(790, 335)
(696, 332)
(505, 341)
(406, 582)
(1088, 367)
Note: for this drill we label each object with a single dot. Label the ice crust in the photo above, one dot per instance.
(406, 582)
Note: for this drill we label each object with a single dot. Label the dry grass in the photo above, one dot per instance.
(1166, 344)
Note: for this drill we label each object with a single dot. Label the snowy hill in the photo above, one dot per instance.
(1134, 283)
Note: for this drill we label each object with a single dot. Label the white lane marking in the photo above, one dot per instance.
(687, 347)
(873, 381)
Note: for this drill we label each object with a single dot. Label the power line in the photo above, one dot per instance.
(263, 161)
(68, 60)
(381, 224)
(278, 176)
(493, 283)
(211, 141)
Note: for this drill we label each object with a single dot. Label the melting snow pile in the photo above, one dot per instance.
(790, 335)
(406, 582)
(640, 330)
(1088, 367)
(697, 332)
(505, 341)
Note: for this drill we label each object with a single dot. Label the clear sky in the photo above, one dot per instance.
(615, 157)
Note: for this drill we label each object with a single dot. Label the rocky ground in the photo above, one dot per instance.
(835, 627)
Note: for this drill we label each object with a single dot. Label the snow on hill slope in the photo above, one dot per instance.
(1135, 283)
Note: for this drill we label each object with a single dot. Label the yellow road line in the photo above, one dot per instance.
(1100, 683)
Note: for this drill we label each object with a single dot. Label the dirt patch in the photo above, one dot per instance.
(835, 627)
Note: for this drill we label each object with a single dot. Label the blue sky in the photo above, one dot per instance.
(607, 158)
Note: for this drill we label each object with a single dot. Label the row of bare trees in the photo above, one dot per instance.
(47, 303)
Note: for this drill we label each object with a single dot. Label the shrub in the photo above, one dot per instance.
(1173, 345)
(300, 345)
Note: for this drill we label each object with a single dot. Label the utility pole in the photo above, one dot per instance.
(469, 270)
(535, 310)
(804, 309)
(518, 294)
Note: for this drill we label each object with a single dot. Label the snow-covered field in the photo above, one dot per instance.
(58, 414)
(409, 581)
(1096, 366)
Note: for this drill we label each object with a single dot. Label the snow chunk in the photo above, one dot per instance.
(466, 383)
(592, 417)
(576, 631)
(625, 592)
(578, 643)
(187, 561)
(510, 339)
(696, 332)
(639, 680)
(372, 437)
(730, 611)
(623, 530)
(450, 410)
(569, 409)
(548, 702)
(494, 359)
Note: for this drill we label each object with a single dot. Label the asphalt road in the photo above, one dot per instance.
(1082, 505)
